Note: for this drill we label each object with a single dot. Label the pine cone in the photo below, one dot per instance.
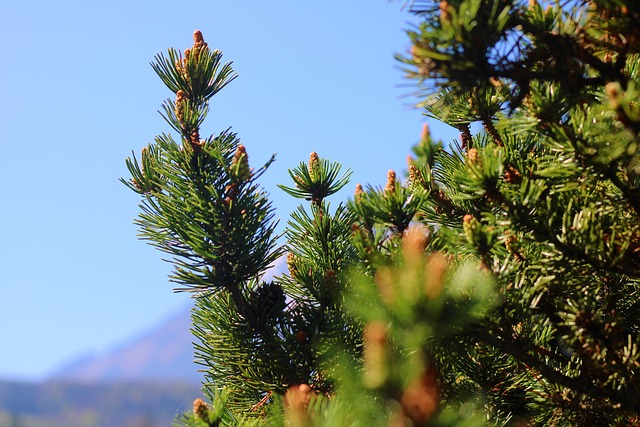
(266, 299)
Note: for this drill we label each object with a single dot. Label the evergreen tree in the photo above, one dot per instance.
(498, 284)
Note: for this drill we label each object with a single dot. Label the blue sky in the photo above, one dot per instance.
(79, 95)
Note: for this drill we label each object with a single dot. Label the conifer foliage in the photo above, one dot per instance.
(498, 284)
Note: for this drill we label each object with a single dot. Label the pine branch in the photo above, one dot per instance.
(524, 352)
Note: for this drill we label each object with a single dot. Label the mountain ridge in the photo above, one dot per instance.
(163, 353)
(73, 404)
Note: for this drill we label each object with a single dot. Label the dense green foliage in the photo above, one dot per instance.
(498, 284)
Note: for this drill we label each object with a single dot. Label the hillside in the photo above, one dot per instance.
(58, 404)
(143, 382)
(163, 354)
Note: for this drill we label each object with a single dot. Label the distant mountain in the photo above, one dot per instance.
(164, 354)
(58, 404)
(144, 382)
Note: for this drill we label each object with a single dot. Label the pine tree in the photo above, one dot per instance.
(548, 197)
(498, 284)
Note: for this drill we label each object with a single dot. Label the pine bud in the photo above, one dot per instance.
(198, 38)
(435, 270)
(386, 284)
(466, 220)
(240, 164)
(181, 65)
(445, 12)
(179, 109)
(314, 166)
(291, 264)
(473, 156)
(376, 361)
(512, 175)
(413, 173)
(198, 43)
(296, 400)
(414, 242)
(416, 178)
(390, 188)
(613, 91)
(496, 83)
(425, 135)
(469, 226)
(511, 243)
(194, 138)
(358, 193)
(421, 399)
(201, 409)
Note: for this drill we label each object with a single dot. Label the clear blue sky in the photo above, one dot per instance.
(78, 95)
